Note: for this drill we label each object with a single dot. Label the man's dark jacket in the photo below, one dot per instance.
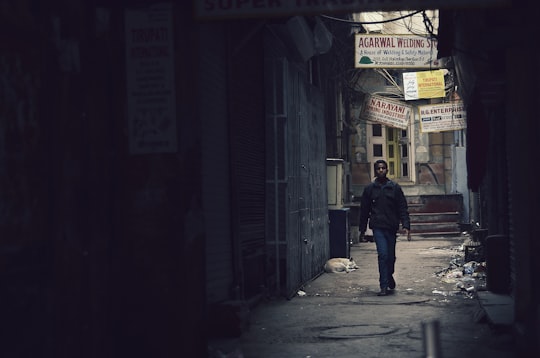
(385, 206)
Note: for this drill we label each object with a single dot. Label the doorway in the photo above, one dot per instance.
(390, 144)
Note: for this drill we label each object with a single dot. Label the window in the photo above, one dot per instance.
(377, 150)
(377, 130)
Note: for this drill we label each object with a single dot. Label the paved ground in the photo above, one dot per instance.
(339, 315)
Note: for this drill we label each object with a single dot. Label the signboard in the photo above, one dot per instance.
(425, 84)
(151, 97)
(234, 9)
(442, 117)
(392, 113)
(395, 51)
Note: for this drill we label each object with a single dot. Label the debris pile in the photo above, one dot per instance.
(469, 277)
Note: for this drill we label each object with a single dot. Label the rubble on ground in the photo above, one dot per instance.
(469, 277)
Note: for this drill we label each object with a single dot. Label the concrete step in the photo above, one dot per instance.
(435, 228)
(434, 217)
(435, 214)
(435, 223)
(435, 233)
(499, 308)
(434, 203)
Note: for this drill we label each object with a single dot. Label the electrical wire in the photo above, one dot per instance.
(370, 22)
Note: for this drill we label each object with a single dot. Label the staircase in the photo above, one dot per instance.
(435, 215)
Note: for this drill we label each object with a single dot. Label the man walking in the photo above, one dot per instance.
(384, 204)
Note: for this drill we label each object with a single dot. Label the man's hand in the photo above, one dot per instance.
(408, 232)
(362, 237)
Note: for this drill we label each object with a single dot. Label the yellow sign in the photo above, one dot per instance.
(425, 84)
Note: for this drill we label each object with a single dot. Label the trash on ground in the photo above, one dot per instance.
(468, 277)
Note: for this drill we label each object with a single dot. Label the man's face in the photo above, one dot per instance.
(381, 170)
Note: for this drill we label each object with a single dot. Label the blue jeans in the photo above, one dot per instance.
(386, 254)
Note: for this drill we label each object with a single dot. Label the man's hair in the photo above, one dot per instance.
(380, 161)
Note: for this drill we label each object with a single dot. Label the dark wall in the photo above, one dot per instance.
(94, 247)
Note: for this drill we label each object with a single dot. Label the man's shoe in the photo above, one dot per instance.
(383, 292)
(391, 283)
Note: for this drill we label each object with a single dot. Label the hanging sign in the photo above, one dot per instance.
(236, 9)
(442, 117)
(425, 84)
(151, 98)
(395, 51)
(392, 113)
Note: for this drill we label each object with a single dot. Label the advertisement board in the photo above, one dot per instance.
(395, 51)
(151, 98)
(442, 117)
(424, 84)
(387, 111)
(235, 9)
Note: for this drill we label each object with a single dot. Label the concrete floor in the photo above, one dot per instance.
(433, 311)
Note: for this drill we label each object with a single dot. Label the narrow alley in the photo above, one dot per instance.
(340, 315)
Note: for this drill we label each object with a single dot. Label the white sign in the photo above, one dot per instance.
(395, 51)
(442, 117)
(151, 97)
(219, 9)
(386, 111)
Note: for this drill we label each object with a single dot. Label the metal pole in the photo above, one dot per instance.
(430, 335)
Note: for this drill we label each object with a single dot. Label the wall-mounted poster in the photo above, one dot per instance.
(151, 98)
